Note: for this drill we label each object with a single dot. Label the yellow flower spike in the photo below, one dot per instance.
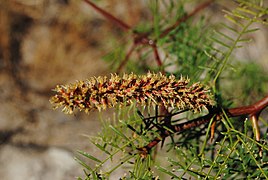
(150, 89)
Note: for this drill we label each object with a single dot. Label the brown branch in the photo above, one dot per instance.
(253, 111)
(122, 64)
(157, 57)
(175, 129)
(186, 17)
(109, 16)
(249, 110)
(143, 38)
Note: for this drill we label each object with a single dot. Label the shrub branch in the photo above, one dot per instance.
(252, 111)
(143, 38)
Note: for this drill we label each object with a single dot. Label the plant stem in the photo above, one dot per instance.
(253, 111)
(109, 16)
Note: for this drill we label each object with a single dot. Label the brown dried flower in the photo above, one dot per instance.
(101, 93)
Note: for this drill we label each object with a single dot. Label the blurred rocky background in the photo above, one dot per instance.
(48, 42)
(44, 43)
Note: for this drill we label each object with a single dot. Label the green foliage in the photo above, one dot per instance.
(186, 44)
(233, 154)
(249, 83)
(118, 142)
(240, 21)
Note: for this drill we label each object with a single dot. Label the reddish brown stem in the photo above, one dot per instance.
(253, 111)
(109, 16)
(175, 129)
(143, 38)
(122, 64)
(184, 18)
(157, 57)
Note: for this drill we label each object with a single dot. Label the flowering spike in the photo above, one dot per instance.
(101, 93)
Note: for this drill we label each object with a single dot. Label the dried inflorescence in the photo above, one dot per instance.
(101, 93)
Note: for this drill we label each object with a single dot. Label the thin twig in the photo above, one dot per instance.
(175, 129)
(253, 111)
(122, 64)
(109, 16)
(143, 38)
(249, 110)
(157, 57)
(186, 17)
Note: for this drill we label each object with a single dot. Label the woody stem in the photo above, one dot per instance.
(252, 110)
